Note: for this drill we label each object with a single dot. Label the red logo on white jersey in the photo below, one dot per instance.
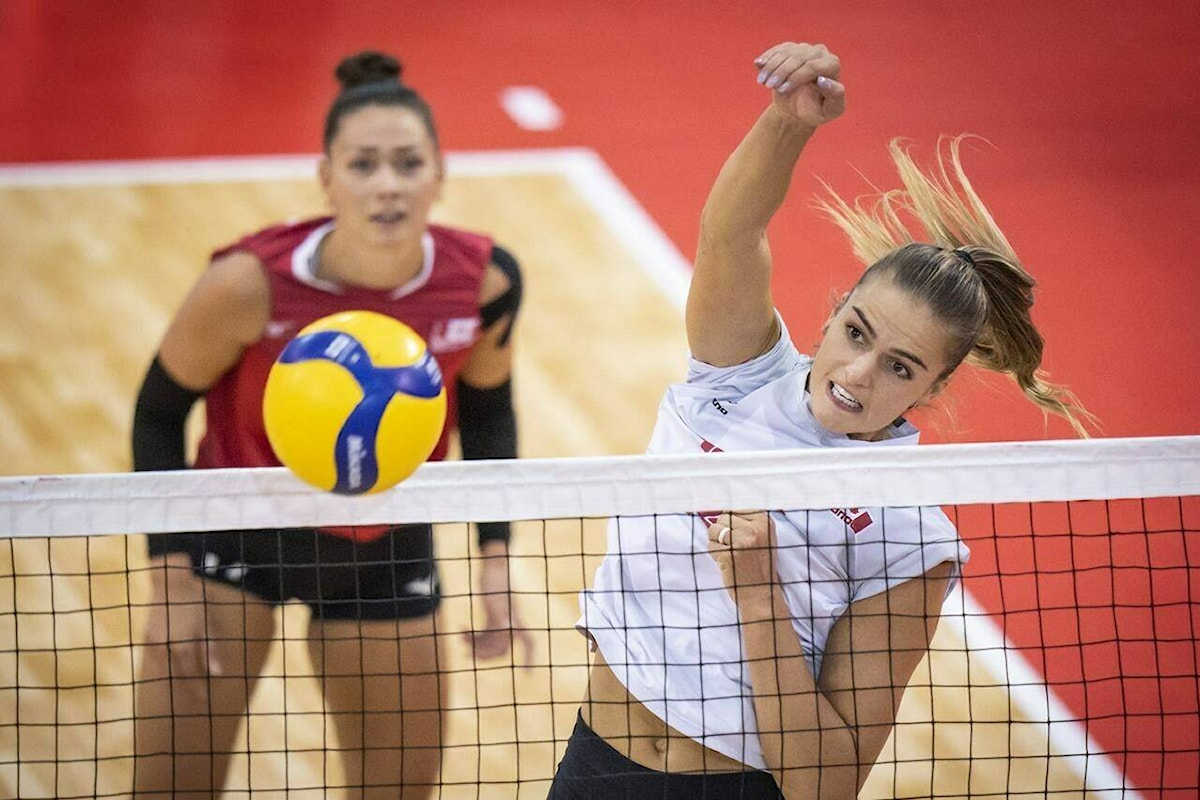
(853, 517)
(856, 519)
(709, 516)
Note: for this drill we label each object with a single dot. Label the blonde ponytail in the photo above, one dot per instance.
(967, 273)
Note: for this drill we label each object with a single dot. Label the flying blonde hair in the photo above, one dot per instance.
(967, 272)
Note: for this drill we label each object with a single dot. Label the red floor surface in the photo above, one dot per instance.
(1092, 109)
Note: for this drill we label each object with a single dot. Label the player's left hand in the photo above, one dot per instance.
(502, 628)
(743, 545)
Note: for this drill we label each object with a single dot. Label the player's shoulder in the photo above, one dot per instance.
(913, 525)
(462, 245)
(237, 278)
(496, 267)
(460, 237)
(781, 364)
(274, 241)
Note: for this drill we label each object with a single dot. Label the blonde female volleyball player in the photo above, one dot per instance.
(373, 592)
(753, 654)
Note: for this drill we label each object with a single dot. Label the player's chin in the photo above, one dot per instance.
(834, 418)
(843, 422)
(388, 236)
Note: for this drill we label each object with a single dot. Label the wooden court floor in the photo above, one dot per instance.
(93, 272)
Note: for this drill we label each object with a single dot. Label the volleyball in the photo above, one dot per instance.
(355, 403)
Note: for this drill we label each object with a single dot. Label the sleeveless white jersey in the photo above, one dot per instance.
(658, 608)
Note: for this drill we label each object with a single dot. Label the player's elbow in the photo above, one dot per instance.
(818, 783)
(826, 769)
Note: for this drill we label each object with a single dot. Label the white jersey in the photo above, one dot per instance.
(658, 609)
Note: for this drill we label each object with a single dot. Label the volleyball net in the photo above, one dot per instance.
(1065, 664)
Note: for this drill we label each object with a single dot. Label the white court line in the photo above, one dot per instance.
(302, 166)
(584, 169)
(1066, 738)
(657, 255)
(154, 172)
(249, 169)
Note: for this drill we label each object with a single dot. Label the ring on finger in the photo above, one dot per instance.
(723, 536)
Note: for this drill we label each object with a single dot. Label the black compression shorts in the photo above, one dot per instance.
(393, 577)
(591, 769)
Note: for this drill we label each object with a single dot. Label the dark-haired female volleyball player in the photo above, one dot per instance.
(373, 591)
(755, 655)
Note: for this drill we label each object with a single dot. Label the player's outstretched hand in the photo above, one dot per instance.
(183, 628)
(502, 628)
(804, 81)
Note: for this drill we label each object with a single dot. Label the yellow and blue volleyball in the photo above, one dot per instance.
(355, 403)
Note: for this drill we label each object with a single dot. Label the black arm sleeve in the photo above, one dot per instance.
(158, 438)
(487, 426)
(158, 421)
(506, 304)
(486, 422)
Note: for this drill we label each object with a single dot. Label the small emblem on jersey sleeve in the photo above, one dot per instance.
(453, 334)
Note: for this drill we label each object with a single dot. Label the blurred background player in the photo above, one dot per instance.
(373, 591)
(776, 667)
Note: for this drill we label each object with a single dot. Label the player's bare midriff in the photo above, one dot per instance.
(636, 733)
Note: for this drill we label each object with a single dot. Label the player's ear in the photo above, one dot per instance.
(837, 307)
(325, 177)
(933, 392)
(324, 173)
(439, 166)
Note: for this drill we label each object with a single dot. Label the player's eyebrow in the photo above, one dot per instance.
(866, 323)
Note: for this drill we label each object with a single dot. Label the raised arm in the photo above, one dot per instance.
(730, 314)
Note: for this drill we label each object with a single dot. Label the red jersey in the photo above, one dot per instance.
(441, 304)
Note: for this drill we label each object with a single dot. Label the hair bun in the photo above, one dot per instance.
(369, 66)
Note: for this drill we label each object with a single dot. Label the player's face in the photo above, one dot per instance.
(382, 175)
(882, 353)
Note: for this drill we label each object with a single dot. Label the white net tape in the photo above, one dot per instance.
(616, 486)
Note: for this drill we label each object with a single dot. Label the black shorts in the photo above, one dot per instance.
(393, 577)
(592, 768)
